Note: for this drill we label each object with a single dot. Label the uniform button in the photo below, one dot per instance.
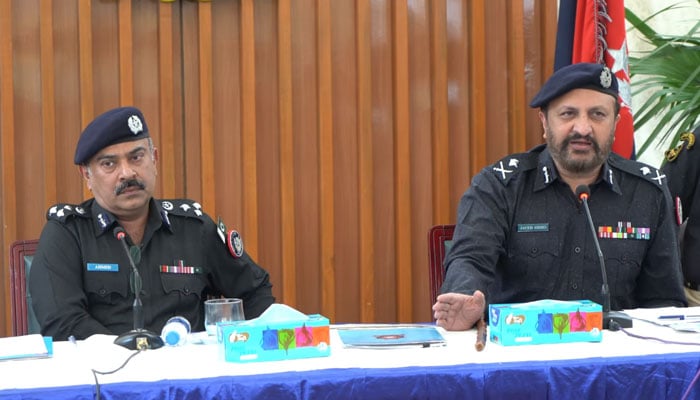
(574, 286)
(533, 250)
(103, 291)
(577, 249)
(187, 290)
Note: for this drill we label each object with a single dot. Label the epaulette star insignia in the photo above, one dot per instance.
(197, 209)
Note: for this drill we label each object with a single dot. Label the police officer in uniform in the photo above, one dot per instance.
(522, 233)
(80, 276)
(682, 167)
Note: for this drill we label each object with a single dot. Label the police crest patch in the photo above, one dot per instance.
(235, 243)
(679, 210)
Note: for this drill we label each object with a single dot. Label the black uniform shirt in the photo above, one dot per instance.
(522, 235)
(683, 171)
(79, 280)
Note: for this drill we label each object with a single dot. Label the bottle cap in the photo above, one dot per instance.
(175, 331)
(172, 338)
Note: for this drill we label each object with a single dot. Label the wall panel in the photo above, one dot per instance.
(8, 201)
(306, 164)
(331, 133)
(29, 172)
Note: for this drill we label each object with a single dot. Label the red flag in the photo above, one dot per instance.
(600, 36)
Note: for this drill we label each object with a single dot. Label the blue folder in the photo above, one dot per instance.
(371, 336)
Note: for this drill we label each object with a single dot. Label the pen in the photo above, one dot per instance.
(480, 334)
(678, 316)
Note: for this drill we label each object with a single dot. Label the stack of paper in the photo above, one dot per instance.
(20, 347)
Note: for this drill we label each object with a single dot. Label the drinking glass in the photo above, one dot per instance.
(221, 310)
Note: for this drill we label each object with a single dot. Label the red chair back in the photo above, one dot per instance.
(23, 320)
(439, 240)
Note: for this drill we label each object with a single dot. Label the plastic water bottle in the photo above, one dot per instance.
(175, 331)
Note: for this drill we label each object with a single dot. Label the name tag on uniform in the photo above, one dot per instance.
(98, 267)
(541, 227)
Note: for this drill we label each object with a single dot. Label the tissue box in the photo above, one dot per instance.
(545, 321)
(260, 340)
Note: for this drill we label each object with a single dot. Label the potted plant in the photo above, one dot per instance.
(669, 74)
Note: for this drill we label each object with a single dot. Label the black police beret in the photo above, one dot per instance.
(123, 124)
(576, 76)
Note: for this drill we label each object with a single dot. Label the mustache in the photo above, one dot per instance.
(578, 136)
(127, 184)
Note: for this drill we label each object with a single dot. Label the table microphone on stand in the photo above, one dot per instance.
(137, 338)
(612, 320)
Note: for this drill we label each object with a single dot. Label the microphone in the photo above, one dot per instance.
(612, 320)
(137, 338)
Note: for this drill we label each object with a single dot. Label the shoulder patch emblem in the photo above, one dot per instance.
(235, 243)
(679, 210)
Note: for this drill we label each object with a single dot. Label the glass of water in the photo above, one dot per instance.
(221, 310)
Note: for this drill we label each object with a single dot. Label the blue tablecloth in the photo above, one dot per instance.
(642, 377)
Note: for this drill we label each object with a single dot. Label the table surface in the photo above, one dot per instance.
(68, 374)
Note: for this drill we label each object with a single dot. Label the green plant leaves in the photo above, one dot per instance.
(669, 75)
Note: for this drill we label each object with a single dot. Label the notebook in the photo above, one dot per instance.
(27, 346)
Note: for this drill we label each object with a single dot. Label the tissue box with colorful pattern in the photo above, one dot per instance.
(269, 339)
(545, 321)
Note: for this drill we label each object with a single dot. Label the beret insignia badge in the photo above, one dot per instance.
(605, 77)
(135, 125)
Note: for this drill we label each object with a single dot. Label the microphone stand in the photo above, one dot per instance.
(137, 338)
(612, 320)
